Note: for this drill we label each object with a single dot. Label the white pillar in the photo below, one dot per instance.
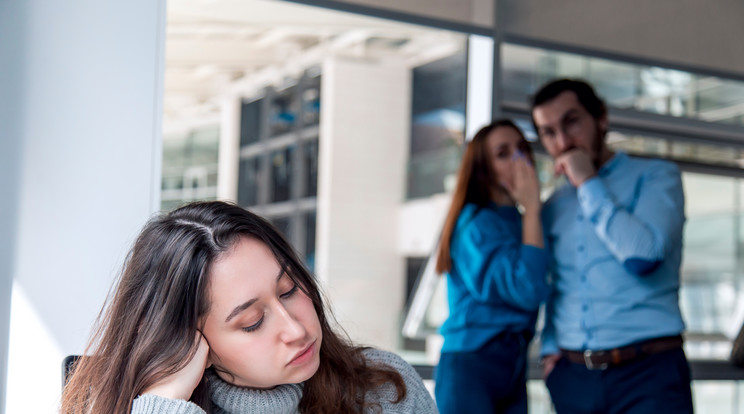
(364, 140)
(80, 121)
(229, 149)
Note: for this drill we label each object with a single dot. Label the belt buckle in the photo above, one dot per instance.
(588, 360)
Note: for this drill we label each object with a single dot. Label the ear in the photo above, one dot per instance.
(603, 122)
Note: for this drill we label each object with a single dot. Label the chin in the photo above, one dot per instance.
(308, 371)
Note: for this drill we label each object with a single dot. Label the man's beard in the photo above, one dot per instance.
(598, 145)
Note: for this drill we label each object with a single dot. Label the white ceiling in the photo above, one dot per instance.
(218, 47)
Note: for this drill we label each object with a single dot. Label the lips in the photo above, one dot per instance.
(304, 355)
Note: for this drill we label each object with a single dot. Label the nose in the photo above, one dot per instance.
(564, 140)
(291, 329)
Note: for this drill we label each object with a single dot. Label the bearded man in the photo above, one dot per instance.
(612, 339)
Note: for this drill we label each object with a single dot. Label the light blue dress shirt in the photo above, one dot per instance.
(496, 283)
(616, 247)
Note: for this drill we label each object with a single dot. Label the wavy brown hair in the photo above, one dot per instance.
(147, 330)
(475, 180)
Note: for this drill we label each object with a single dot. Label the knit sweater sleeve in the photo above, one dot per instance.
(418, 400)
(153, 404)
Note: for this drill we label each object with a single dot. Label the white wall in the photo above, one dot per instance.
(80, 104)
(361, 183)
(12, 20)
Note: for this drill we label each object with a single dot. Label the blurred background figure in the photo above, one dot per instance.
(612, 340)
(495, 262)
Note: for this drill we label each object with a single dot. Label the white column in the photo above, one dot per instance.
(80, 105)
(364, 130)
(229, 149)
(480, 84)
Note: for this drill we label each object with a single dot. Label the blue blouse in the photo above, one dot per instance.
(496, 283)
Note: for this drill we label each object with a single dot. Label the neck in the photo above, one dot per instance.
(501, 197)
(604, 156)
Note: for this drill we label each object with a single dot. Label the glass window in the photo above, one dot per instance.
(310, 221)
(189, 166)
(438, 124)
(697, 152)
(720, 100)
(281, 173)
(311, 168)
(644, 88)
(283, 112)
(249, 181)
(250, 122)
(414, 267)
(712, 255)
(283, 224)
(311, 101)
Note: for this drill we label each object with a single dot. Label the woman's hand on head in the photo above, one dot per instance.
(525, 188)
(181, 384)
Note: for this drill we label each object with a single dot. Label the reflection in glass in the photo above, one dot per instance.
(250, 122)
(311, 168)
(283, 224)
(310, 219)
(438, 124)
(644, 88)
(283, 111)
(281, 173)
(189, 166)
(248, 181)
(711, 266)
(311, 101)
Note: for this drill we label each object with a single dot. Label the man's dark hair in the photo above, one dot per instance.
(584, 92)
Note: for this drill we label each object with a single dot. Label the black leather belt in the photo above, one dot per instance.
(603, 359)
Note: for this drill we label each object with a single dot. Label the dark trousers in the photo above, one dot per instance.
(490, 380)
(655, 384)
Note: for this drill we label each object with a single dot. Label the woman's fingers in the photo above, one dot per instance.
(526, 189)
(181, 384)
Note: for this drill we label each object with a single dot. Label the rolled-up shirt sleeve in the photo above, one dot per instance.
(638, 238)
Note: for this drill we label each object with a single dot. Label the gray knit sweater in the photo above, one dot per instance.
(284, 399)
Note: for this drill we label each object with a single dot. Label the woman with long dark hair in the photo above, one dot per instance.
(215, 313)
(495, 262)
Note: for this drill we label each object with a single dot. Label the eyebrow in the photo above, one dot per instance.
(571, 111)
(247, 304)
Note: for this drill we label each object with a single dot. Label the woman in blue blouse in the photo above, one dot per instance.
(495, 262)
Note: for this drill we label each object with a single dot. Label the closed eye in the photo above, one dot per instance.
(290, 292)
(254, 326)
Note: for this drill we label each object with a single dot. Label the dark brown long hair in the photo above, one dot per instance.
(475, 181)
(147, 330)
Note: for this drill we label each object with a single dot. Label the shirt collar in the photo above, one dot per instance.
(612, 164)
